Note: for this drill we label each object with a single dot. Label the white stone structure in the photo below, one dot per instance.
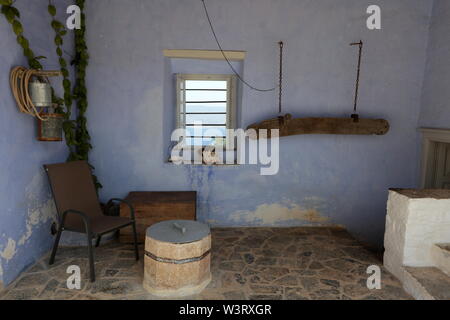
(416, 240)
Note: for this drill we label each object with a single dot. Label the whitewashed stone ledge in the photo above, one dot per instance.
(441, 257)
(416, 221)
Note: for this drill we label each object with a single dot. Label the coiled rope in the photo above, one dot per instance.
(19, 80)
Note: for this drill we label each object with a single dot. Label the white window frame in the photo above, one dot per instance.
(231, 98)
(429, 139)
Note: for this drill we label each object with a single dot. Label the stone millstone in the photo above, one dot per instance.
(177, 258)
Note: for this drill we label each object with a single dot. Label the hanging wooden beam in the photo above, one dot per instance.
(346, 126)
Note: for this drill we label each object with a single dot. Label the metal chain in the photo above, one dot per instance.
(280, 83)
(360, 44)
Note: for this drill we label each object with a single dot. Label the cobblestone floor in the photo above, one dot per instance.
(247, 263)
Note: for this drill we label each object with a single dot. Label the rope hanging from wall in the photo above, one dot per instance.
(33, 94)
(20, 79)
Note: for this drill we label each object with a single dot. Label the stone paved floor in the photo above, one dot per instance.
(247, 263)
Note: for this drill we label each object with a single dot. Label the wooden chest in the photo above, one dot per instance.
(153, 207)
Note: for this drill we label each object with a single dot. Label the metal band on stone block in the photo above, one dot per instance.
(174, 261)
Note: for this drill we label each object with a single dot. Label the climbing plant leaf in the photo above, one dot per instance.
(17, 27)
(52, 10)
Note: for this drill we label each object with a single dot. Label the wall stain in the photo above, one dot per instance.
(42, 214)
(199, 177)
(10, 250)
(275, 213)
(40, 209)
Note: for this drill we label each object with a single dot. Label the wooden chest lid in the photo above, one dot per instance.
(178, 231)
(161, 196)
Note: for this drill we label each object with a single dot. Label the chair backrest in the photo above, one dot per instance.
(73, 188)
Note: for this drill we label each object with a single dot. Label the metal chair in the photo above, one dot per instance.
(79, 209)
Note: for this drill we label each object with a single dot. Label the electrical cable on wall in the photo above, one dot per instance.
(228, 61)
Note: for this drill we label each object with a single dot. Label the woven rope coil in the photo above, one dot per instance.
(19, 79)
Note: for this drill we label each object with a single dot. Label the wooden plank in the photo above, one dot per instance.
(152, 197)
(346, 126)
(205, 54)
(48, 73)
(153, 207)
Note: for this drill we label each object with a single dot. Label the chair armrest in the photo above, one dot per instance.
(85, 217)
(111, 201)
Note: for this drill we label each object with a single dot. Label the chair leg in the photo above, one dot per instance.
(91, 256)
(97, 243)
(136, 249)
(55, 245)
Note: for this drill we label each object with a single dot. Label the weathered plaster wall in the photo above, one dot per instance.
(435, 112)
(322, 179)
(27, 209)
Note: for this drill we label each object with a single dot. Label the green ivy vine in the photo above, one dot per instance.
(13, 16)
(81, 62)
(69, 125)
(76, 133)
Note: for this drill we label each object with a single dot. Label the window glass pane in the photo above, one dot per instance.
(206, 96)
(204, 119)
(208, 131)
(218, 142)
(205, 103)
(199, 142)
(206, 107)
(205, 84)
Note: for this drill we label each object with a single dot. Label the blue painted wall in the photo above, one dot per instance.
(322, 179)
(436, 94)
(27, 209)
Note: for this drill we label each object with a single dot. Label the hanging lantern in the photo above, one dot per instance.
(51, 128)
(40, 93)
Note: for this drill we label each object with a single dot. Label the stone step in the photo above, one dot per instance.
(440, 253)
(427, 283)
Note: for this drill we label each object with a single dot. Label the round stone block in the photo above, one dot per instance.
(177, 258)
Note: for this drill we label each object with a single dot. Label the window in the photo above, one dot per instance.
(206, 108)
